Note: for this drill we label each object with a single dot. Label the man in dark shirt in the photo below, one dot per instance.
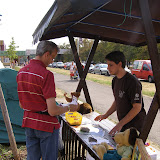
(128, 101)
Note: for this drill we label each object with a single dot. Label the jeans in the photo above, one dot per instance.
(41, 144)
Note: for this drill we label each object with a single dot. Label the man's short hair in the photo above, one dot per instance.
(116, 57)
(46, 46)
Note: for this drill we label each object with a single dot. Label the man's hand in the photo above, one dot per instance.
(73, 107)
(100, 118)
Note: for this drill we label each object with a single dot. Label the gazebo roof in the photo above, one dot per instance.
(117, 21)
(111, 20)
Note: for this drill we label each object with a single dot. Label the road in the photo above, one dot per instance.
(102, 98)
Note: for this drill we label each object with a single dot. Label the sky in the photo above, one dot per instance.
(20, 18)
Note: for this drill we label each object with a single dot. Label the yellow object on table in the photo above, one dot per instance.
(73, 118)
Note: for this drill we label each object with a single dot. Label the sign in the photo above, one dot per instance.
(30, 52)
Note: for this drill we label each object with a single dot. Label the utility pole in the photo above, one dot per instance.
(79, 41)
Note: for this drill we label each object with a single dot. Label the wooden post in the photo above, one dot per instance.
(90, 57)
(8, 126)
(152, 43)
(79, 67)
(148, 122)
(155, 60)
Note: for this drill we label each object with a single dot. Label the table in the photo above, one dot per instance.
(76, 144)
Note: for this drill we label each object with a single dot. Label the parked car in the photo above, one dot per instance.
(50, 65)
(101, 69)
(54, 64)
(90, 70)
(60, 65)
(68, 65)
(65, 65)
(142, 69)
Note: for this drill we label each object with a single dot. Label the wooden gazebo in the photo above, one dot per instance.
(134, 22)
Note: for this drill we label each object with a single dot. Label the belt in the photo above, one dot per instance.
(40, 112)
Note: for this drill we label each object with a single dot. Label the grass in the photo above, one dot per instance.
(6, 153)
(147, 88)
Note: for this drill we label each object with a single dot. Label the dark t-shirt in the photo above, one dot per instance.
(127, 91)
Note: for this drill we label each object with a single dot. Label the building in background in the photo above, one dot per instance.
(25, 56)
(31, 53)
(2, 46)
(6, 61)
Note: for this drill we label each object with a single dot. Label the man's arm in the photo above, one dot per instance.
(131, 114)
(54, 110)
(111, 110)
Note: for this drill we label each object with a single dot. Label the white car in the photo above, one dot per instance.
(54, 64)
(60, 65)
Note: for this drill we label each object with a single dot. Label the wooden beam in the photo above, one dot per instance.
(8, 126)
(83, 77)
(89, 59)
(149, 119)
(75, 53)
(79, 67)
(155, 60)
(152, 43)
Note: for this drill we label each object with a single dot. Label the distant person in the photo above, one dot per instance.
(36, 91)
(76, 72)
(72, 69)
(72, 66)
(127, 91)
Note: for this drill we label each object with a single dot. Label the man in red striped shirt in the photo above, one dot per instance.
(36, 91)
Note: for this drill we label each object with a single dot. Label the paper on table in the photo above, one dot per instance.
(86, 121)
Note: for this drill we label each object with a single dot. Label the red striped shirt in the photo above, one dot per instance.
(35, 85)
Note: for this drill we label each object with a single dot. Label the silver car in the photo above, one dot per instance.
(91, 68)
(60, 65)
(101, 69)
(54, 64)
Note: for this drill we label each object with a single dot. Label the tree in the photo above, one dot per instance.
(11, 52)
(84, 48)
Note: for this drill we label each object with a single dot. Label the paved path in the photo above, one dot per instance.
(102, 98)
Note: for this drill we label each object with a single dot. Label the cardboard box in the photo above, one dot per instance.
(152, 152)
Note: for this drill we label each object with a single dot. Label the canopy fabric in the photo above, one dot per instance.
(111, 20)
(9, 87)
